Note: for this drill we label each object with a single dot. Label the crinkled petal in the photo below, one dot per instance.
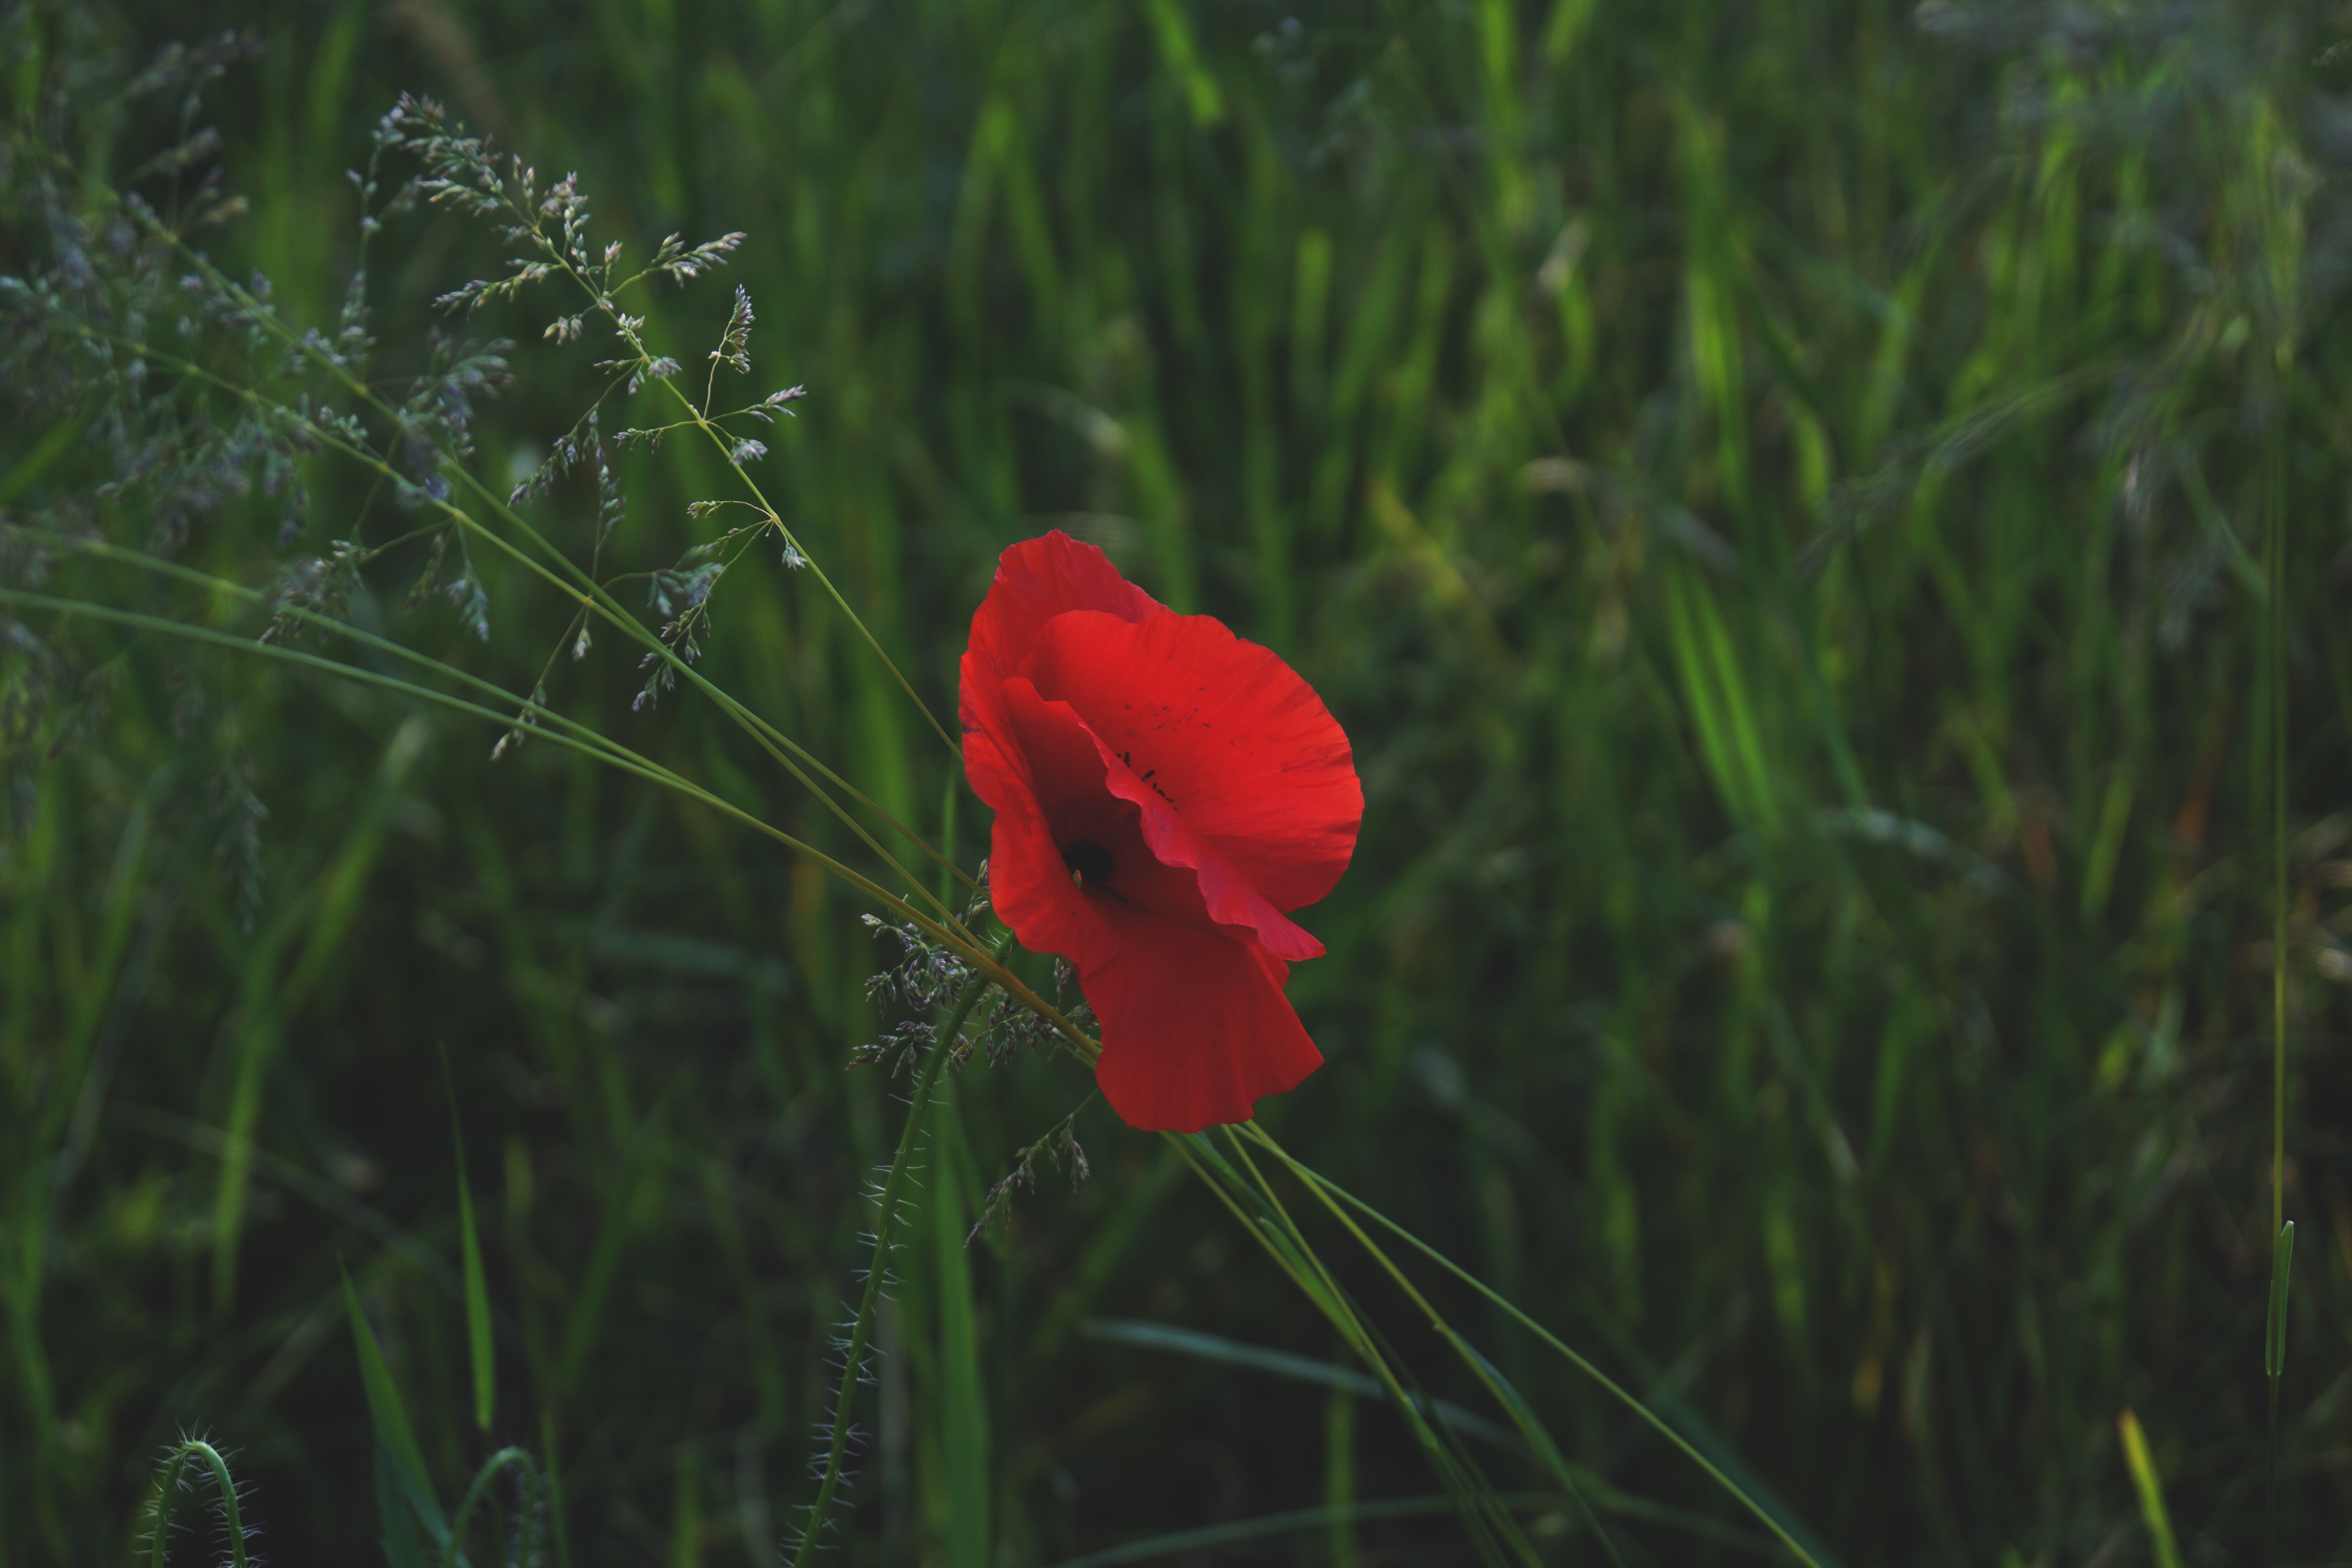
(1195, 1027)
(1163, 791)
(1089, 796)
(1052, 804)
(1028, 885)
(1036, 580)
(1224, 735)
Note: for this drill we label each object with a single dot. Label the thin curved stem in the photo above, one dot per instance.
(557, 729)
(2282, 1237)
(582, 587)
(942, 1045)
(953, 938)
(1538, 1441)
(717, 438)
(1330, 1191)
(1342, 1315)
(603, 302)
(505, 1458)
(167, 1487)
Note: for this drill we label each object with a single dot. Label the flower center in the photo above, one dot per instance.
(1088, 862)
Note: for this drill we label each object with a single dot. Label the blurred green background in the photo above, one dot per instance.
(1779, 494)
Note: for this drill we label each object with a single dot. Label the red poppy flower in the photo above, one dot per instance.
(1164, 794)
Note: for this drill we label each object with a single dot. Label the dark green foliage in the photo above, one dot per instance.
(1779, 494)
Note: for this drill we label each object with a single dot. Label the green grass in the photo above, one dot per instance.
(1780, 497)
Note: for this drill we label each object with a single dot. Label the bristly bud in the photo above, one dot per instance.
(747, 452)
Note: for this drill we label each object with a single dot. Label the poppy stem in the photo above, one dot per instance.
(942, 1045)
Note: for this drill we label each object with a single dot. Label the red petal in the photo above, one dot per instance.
(1225, 734)
(1036, 580)
(1042, 772)
(1027, 882)
(1207, 783)
(1090, 796)
(1195, 1028)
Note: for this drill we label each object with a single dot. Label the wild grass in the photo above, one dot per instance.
(1822, 522)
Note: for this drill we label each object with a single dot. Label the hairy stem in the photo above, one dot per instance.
(884, 1228)
(505, 1458)
(167, 1488)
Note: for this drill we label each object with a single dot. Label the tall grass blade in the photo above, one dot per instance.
(964, 1534)
(1333, 1197)
(2151, 1487)
(2275, 1320)
(1208, 1537)
(1254, 1207)
(403, 1491)
(1209, 1347)
(479, 1351)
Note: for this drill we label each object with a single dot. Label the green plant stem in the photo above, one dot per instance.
(593, 596)
(2282, 1254)
(620, 757)
(604, 303)
(1274, 1230)
(1538, 1441)
(167, 1487)
(558, 732)
(1488, 1515)
(1329, 1191)
(505, 1458)
(884, 1227)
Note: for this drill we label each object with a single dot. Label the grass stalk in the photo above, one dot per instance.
(1273, 1228)
(1334, 1196)
(594, 597)
(2274, 1315)
(558, 730)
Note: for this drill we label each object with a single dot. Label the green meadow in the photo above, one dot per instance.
(1825, 523)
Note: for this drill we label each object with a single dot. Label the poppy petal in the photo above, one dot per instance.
(1066, 851)
(1151, 857)
(1027, 882)
(1038, 579)
(1223, 733)
(1163, 791)
(1195, 1027)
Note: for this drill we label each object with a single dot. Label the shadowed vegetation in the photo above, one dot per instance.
(1791, 502)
